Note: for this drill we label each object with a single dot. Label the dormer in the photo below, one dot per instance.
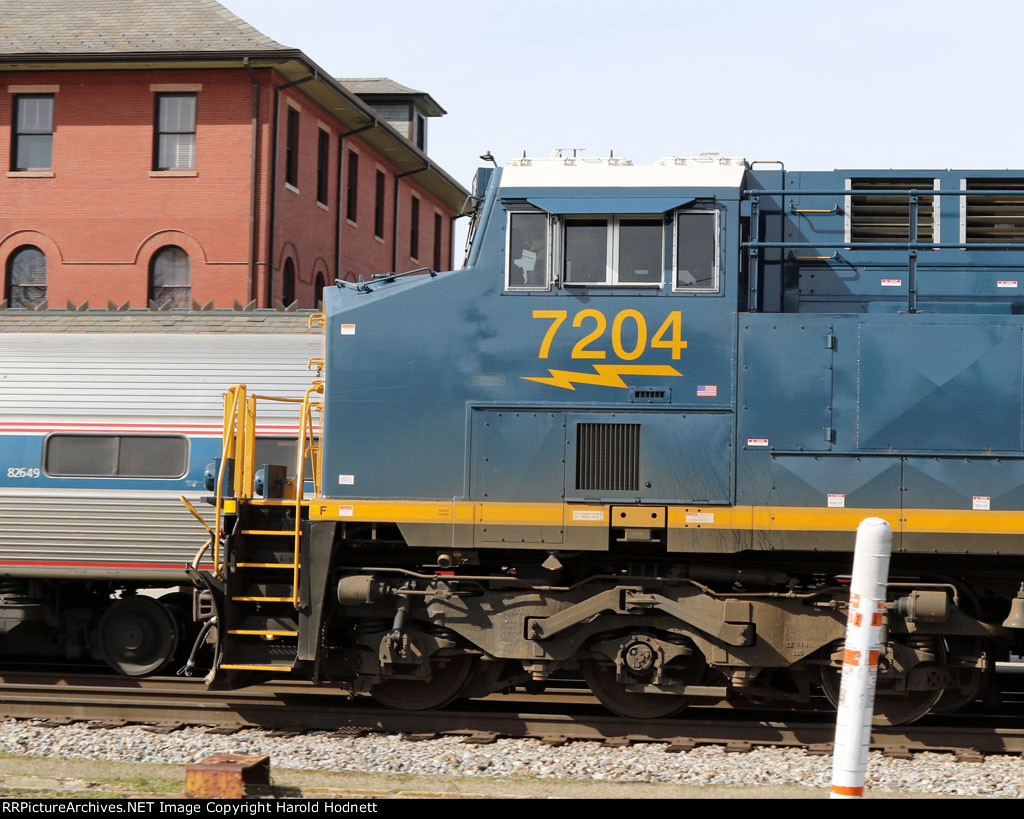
(405, 109)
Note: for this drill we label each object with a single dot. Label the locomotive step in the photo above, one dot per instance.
(250, 552)
(289, 532)
(265, 566)
(258, 633)
(257, 624)
(262, 589)
(243, 667)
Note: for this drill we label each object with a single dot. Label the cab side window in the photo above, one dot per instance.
(527, 251)
(696, 257)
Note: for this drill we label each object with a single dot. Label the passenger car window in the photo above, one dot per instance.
(123, 456)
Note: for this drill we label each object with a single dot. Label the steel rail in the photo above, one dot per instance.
(303, 707)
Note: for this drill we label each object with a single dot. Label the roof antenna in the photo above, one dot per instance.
(611, 154)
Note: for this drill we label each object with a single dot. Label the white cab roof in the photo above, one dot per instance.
(705, 171)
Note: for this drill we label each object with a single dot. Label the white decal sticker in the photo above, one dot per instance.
(757, 442)
(836, 501)
(982, 502)
(585, 514)
(700, 517)
(1006, 284)
(344, 511)
(892, 282)
(348, 329)
(346, 480)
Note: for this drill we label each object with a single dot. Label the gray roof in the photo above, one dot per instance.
(152, 321)
(380, 89)
(375, 85)
(125, 27)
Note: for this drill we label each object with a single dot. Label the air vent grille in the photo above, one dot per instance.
(608, 457)
(994, 219)
(880, 218)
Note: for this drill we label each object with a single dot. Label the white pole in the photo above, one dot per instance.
(860, 658)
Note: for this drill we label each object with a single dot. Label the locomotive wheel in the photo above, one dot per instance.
(137, 636)
(892, 707)
(954, 700)
(447, 683)
(600, 676)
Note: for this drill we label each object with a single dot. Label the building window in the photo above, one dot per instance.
(288, 283)
(322, 164)
(527, 251)
(414, 230)
(26, 277)
(291, 154)
(32, 146)
(696, 251)
(122, 456)
(378, 207)
(352, 184)
(170, 277)
(318, 290)
(175, 146)
(437, 241)
(421, 132)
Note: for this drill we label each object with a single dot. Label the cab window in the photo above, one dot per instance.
(527, 251)
(613, 250)
(696, 256)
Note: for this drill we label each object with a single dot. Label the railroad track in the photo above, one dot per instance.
(165, 704)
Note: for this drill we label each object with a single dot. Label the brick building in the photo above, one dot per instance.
(167, 153)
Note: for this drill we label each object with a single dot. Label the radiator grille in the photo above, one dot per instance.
(887, 218)
(995, 219)
(608, 457)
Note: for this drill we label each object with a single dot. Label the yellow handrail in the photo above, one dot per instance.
(239, 443)
(305, 425)
(232, 398)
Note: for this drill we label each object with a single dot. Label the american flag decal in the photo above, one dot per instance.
(707, 390)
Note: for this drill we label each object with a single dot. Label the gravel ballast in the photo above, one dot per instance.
(996, 776)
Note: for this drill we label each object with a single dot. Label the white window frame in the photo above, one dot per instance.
(548, 278)
(611, 273)
(716, 287)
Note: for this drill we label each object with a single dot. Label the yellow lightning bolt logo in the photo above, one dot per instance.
(607, 375)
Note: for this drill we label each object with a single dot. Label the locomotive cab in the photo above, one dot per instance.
(631, 440)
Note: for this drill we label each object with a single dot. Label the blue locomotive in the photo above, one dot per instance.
(633, 437)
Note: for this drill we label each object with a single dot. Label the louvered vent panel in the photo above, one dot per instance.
(608, 457)
(995, 219)
(887, 218)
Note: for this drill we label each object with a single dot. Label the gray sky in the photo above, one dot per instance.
(817, 83)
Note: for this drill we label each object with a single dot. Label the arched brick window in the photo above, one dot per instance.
(288, 284)
(170, 277)
(26, 277)
(318, 289)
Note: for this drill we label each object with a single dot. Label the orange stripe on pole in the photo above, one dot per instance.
(872, 659)
(856, 618)
(844, 791)
(855, 601)
(876, 619)
(851, 657)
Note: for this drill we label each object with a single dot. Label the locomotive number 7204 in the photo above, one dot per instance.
(627, 345)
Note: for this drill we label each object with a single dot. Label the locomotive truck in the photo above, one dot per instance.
(632, 438)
